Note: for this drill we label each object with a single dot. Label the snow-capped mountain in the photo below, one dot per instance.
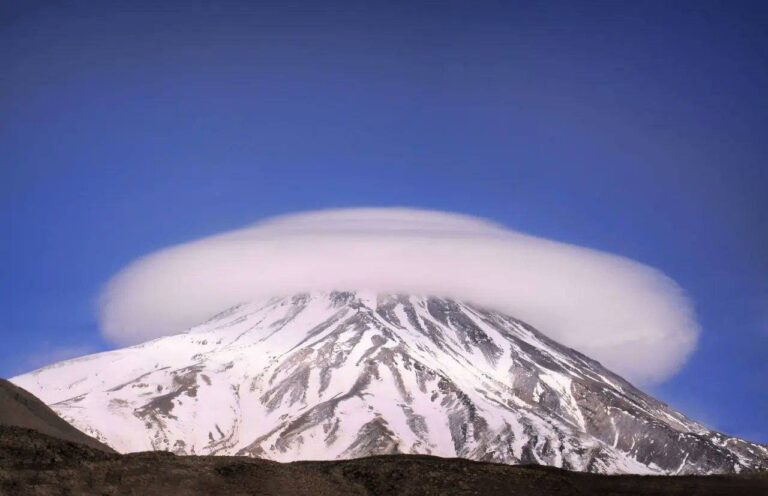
(342, 375)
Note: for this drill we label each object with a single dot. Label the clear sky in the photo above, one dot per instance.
(638, 128)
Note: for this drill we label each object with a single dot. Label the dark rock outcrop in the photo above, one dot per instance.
(19, 408)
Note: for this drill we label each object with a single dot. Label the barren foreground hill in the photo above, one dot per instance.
(32, 463)
(19, 408)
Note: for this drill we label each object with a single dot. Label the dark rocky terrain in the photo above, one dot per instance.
(21, 409)
(32, 463)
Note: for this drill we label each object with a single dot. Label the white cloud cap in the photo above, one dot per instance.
(632, 318)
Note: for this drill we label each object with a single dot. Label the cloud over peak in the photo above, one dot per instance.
(627, 315)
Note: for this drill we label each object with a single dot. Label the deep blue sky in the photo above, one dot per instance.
(640, 128)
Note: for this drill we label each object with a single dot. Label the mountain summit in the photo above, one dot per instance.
(342, 375)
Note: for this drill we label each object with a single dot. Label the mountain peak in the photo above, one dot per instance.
(353, 373)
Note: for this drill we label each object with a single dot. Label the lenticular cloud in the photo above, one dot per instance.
(632, 318)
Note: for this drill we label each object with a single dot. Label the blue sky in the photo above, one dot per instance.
(634, 129)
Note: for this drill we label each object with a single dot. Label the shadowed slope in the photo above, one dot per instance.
(21, 409)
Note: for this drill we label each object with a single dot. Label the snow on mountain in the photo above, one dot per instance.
(342, 375)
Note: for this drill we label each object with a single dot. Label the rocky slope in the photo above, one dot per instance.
(18, 408)
(345, 375)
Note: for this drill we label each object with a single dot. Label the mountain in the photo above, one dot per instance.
(35, 463)
(18, 408)
(339, 375)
